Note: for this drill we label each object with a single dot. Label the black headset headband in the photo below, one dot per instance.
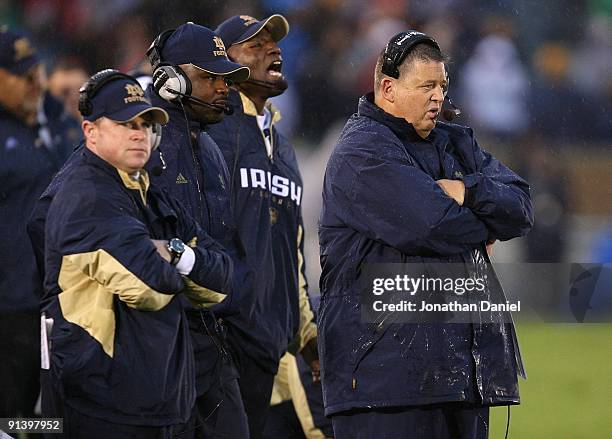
(398, 48)
(154, 52)
(94, 84)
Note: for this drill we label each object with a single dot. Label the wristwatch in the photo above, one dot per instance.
(176, 248)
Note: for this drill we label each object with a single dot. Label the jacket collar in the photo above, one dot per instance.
(398, 125)
(141, 184)
(248, 107)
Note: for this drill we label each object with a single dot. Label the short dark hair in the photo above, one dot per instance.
(422, 51)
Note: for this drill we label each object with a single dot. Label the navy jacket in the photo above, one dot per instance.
(381, 205)
(266, 198)
(120, 344)
(196, 175)
(29, 157)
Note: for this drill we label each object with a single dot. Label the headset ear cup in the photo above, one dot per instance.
(169, 83)
(157, 136)
(389, 68)
(84, 106)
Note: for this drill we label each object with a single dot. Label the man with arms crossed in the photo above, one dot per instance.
(401, 187)
(118, 253)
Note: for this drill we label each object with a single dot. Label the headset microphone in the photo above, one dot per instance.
(227, 109)
(450, 113)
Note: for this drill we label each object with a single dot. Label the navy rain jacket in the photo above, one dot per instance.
(120, 346)
(29, 157)
(381, 204)
(266, 197)
(196, 175)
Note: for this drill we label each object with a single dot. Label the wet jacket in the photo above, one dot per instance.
(266, 198)
(381, 205)
(29, 156)
(120, 345)
(196, 175)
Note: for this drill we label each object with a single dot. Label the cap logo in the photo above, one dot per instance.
(23, 49)
(220, 46)
(134, 94)
(248, 20)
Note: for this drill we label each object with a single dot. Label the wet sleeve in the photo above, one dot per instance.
(498, 197)
(99, 239)
(210, 280)
(389, 200)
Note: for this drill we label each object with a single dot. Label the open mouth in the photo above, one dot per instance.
(433, 113)
(275, 69)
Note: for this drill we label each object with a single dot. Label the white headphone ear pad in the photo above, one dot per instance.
(166, 80)
(157, 136)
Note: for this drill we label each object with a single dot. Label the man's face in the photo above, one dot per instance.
(21, 95)
(419, 94)
(126, 146)
(262, 55)
(64, 84)
(209, 88)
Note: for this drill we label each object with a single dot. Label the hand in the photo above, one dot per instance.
(454, 189)
(162, 249)
(310, 354)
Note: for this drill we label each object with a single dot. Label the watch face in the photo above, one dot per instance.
(176, 246)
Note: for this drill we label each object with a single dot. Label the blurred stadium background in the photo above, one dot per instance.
(533, 78)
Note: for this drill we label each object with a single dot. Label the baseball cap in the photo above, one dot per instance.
(197, 45)
(17, 54)
(239, 28)
(120, 98)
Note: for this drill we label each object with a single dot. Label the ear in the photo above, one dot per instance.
(89, 131)
(387, 89)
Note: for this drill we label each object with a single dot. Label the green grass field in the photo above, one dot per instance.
(568, 393)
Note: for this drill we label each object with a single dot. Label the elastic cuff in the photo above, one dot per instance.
(187, 261)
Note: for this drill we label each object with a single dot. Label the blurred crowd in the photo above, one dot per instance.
(521, 67)
(533, 77)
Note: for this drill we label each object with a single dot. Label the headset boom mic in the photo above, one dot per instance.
(225, 108)
(450, 113)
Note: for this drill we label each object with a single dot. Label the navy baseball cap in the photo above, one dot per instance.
(239, 28)
(119, 97)
(199, 46)
(17, 54)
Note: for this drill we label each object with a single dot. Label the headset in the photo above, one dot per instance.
(93, 86)
(398, 48)
(170, 81)
(395, 53)
(167, 76)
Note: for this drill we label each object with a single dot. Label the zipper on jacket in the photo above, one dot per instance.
(198, 173)
(272, 146)
(263, 137)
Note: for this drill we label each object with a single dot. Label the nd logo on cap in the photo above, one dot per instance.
(219, 43)
(248, 20)
(134, 94)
